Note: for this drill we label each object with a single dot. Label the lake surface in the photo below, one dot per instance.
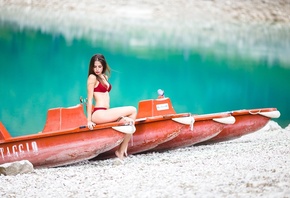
(40, 71)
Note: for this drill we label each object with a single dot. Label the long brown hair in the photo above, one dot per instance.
(102, 60)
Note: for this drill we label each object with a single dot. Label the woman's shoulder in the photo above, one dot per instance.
(92, 78)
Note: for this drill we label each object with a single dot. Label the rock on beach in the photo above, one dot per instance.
(18, 167)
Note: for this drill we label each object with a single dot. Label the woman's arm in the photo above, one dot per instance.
(90, 89)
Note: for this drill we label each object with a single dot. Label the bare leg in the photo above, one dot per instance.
(111, 115)
(123, 147)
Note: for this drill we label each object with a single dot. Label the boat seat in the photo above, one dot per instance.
(155, 107)
(4, 134)
(59, 119)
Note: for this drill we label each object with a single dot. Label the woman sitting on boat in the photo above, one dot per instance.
(98, 89)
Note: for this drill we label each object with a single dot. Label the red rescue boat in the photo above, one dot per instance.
(64, 140)
(247, 121)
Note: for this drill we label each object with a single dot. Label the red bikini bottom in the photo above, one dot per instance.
(99, 108)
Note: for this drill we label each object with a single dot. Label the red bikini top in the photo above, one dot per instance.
(102, 88)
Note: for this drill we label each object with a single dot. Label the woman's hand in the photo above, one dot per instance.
(91, 125)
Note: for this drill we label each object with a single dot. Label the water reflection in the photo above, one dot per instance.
(41, 71)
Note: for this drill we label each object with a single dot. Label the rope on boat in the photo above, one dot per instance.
(254, 113)
(185, 120)
(271, 114)
(191, 122)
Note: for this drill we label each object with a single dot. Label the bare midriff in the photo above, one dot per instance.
(102, 99)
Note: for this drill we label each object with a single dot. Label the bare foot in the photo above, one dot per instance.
(125, 120)
(119, 155)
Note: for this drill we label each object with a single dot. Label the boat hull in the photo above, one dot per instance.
(202, 131)
(58, 149)
(247, 121)
(205, 128)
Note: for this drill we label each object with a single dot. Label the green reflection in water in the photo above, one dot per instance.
(41, 71)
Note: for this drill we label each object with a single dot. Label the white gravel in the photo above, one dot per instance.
(255, 165)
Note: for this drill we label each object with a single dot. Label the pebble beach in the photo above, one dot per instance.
(255, 165)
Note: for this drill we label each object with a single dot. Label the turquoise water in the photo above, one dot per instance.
(41, 71)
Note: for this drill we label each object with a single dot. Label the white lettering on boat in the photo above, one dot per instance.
(161, 107)
(16, 149)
